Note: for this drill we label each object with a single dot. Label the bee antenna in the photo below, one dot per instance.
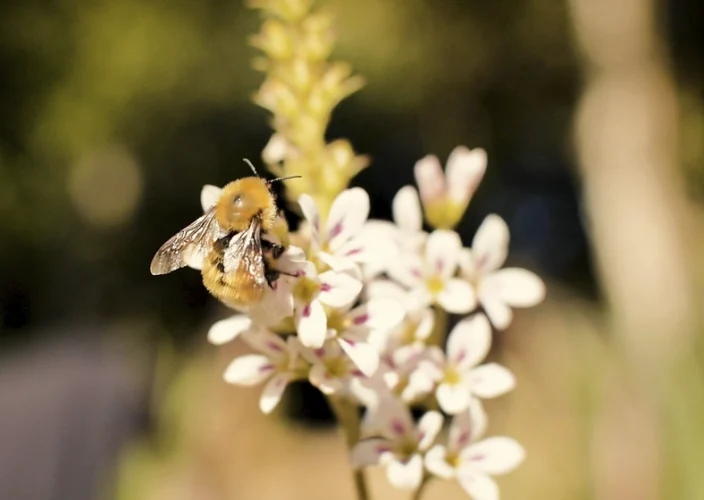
(284, 178)
(251, 166)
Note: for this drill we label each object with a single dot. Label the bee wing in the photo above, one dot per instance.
(244, 257)
(190, 243)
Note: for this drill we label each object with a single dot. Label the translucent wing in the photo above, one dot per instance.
(191, 243)
(243, 257)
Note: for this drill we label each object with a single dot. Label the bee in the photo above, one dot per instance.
(237, 262)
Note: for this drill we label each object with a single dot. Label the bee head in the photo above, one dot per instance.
(243, 200)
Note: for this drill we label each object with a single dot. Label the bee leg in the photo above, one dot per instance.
(275, 249)
(271, 275)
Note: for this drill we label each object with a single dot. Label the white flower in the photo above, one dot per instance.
(431, 279)
(229, 329)
(417, 324)
(278, 364)
(354, 328)
(457, 374)
(446, 196)
(473, 462)
(331, 370)
(277, 302)
(339, 243)
(498, 289)
(401, 447)
(406, 231)
(311, 293)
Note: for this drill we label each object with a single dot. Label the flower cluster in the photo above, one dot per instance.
(361, 315)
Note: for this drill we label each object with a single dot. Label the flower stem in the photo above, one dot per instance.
(421, 488)
(437, 336)
(348, 417)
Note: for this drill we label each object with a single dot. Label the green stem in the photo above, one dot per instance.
(348, 418)
(421, 488)
(437, 337)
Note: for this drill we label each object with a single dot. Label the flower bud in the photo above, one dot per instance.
(446, 196)
(275, 150)
(274, 40)
(318, 38)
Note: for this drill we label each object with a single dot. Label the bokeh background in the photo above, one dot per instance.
(115, 113)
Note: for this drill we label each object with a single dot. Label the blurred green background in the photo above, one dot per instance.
(115, 113)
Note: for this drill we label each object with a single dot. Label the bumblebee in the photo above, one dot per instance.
(237, 262)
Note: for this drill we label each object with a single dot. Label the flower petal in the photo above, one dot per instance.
(209, 196)
(453, 398)
(490, 244)
(419, 385)
(363, 355)
(405, 475)
(467, 426)
(394, 418)
(377, 314)
(311, 324)
(225, 330)
(310, 212)
(436, 463)
(268, 343)
(425, 324)
(428, 427)
(494, 455)
(464, 171)
(442, 251)
(496, 310)
(323, 380)
(406, 210)
(251, 369)
(516, 287)
(383, 288)
(468, 268)
(369, 451)
(407, 270)
(491, 380)
(273, 391)
(432, 368)
(338, 289)
(348, 214)
(469, 342)
(457, 297)
(429, 178)
(477, 485)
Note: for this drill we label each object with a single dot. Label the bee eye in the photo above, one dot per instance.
(237, 201)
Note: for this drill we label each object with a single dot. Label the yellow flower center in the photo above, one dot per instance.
(336, 367)
(306, 289)
(452, 376)
(452, 459)
(406, 448)
(435, 285)
(338, 321)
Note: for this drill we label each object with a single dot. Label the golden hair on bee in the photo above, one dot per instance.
(246, 198)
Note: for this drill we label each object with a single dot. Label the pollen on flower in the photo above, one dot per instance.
(452, 459)
(338, 321)
(435, 285)
(306, 289)
(407, 448)
(336, 367)
(452, 376)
